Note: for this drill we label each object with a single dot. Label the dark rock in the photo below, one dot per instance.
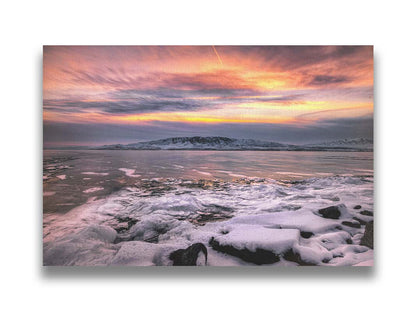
(188, 256)
(357, 207)
(305, 234)
(290, 255)
(356, 225)
(366, 213)
(362, 222)
(260, 256)
(331, 212)
(368, 238)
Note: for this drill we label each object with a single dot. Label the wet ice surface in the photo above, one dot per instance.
(137, 208)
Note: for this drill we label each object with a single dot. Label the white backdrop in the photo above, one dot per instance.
(27, 25)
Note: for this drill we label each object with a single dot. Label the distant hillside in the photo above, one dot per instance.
(202, 143)
(358, 143)
(224, 143)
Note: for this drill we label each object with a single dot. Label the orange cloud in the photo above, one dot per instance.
(94, 74)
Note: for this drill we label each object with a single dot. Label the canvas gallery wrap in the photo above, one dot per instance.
(208, 156)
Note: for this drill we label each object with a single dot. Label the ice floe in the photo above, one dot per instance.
(129, 172)
(95, 173)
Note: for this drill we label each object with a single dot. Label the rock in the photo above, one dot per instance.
(368, 238)
(305, 234)
(357, 207)
(366, 213)
(362, 222)
(260, 256)
(188, 256)
(331, 212)
(355, 224)
(290, 255)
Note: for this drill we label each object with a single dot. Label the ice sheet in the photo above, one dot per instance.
(141, 225)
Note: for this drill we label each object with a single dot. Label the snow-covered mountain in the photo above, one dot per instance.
(224, 143)
(202, 143)
(356, 144)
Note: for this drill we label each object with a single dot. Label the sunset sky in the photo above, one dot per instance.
(94, 95)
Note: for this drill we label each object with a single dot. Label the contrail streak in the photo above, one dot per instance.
(218, 56)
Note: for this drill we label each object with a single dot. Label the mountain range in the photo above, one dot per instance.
(224, 143)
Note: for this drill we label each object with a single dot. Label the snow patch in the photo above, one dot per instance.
(93, 189)
(253, 237)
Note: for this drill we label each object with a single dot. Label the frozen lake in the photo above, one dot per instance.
(134, 207)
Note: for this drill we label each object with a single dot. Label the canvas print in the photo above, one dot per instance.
(208, 156)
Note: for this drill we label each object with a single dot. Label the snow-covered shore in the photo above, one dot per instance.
(318, 221)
